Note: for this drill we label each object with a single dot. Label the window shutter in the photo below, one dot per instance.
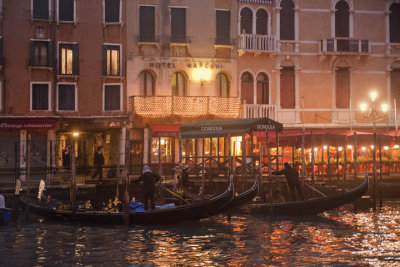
(287, 89)
(342, 88)
(394, 23)
(1, 52)
(147, 29)
(342, 19)
(246, 20)
(287, 20)
(50, 54)
(104, 60)
(178, 24)
(112, 97)
(66, 10)
(41, 9)
(32, 52)
(223, 27)
(75, 67)
(111, 11)
(262, 22)
(66, 97)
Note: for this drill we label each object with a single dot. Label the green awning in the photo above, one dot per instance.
(225, 128)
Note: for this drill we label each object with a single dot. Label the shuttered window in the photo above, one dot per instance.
(66, 97)
(147, 84)
(178, 84)
(111, 60)
(41, 53)
(287, 20)
(66, 10)
(1, 52)
(111, 10)
(262, 22)
(40, 9)
(40, 96)
(287, 89)
(178, 25)
(223, 27)
(394, 23)
(147, 24)
(395, 86)
(112, 97)
(246, 20)
(342, 88)
(342, 19)
(223, 85)
(247, 82)
(69, 59)
(262, 89)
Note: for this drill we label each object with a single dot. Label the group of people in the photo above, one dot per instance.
(98, 160)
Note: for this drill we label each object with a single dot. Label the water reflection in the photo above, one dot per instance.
(334, 238)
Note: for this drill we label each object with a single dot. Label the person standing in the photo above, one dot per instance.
(185, 176)
(98, 163)
(66, 161)
(149, 180)
(292, 177)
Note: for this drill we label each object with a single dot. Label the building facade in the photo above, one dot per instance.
(63, 79)
(98, 67)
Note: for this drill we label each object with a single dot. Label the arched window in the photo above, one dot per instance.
(178, 84)
(223, 86)
(394, 23)
(147, 83)
(262, 89)
(247, 88)
(246, 20)
(262, 22)
(287, 89)
(342, 77)
(342, 19)
(287, 20)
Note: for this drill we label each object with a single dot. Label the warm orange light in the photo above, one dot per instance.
(384, 107)
(373, 95)
(363, 148)
(363, 107)
(340, 148)
(386, 148)
(201, 74)
(349, 146)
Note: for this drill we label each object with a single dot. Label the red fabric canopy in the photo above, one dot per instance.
(164, 128)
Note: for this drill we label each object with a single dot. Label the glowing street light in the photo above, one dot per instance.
(373, 113)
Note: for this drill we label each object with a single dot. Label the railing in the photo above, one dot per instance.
(256, 42)
(184, 106)
(269, 2)
(258, 111)
(346, 45)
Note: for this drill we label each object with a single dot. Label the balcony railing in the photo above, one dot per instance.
(257, 43)
(345, 45)
(269, 2)
(258, 111)
(184, 106)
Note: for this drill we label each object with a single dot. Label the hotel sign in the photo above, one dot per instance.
(190, 65)
(44, 124)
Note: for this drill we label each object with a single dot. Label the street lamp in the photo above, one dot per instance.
(372, 112)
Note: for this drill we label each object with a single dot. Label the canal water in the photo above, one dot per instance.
(335, 238)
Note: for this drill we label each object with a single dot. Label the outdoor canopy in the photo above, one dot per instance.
(225, 128)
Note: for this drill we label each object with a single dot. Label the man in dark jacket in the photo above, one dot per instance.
(149, 180)
(98, 163)
(292, 177)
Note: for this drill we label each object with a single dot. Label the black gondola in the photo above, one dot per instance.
(244, 197)
(310, 206)
(177, 214)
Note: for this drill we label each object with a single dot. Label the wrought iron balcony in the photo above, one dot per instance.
(256, 43)
(258, 111)
(184, 106)
(345, 45)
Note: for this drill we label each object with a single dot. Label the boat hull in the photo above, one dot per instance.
(308, 207)
(5, 215)
(177, 214)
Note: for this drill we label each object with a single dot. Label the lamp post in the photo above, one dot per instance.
(372, 112)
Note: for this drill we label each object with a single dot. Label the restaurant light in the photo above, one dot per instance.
(386, 148)
(325, 147)
(372, 146)
(315, 149)
(340, 148)
(363, 148)
(201, 74)
(349, 146)
(396, 146)
(75, 134)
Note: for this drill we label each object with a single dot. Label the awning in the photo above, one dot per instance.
(225, 128)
